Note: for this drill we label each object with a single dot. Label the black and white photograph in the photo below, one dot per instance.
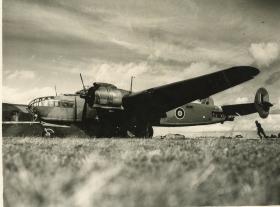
(130, 103)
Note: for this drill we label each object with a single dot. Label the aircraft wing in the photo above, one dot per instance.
(239, 109)
(167, 97)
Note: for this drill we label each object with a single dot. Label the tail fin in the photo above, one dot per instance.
(262, 103)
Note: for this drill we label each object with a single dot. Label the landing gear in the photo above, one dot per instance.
(105, 130)
(141, 131)
(113, 131)
(145, 132)
(150, 132)
(48, 133)
(108, 127)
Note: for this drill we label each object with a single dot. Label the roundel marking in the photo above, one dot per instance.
(180, 113)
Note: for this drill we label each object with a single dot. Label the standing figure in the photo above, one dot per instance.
(260, 130)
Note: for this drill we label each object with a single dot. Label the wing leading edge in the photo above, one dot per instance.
(170, 96)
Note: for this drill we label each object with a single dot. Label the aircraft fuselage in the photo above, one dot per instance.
(192, 114)
(68, 109)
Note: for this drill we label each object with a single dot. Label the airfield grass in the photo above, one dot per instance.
(140, 172)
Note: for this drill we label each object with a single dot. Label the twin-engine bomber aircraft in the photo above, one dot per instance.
(104, 110)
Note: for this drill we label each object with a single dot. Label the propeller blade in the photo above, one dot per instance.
(82, 82)
(84, 112)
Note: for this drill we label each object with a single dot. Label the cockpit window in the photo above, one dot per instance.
(51, 102)
(66, 104)
(56, 103)
(45, 103)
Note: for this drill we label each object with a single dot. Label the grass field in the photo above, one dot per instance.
(138, 172)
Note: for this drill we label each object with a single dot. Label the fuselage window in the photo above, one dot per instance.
(65, 104)
(216, 114)
(56, 103)
(45, 103)
(51, 103)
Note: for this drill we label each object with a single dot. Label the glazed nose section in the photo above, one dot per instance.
(37, 106)
(33, 109)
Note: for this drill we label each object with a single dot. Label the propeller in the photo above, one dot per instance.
(88, 95)
(82, 82)
(84, 113)
(83, 94)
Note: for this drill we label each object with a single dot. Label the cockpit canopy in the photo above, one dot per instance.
(51, 102)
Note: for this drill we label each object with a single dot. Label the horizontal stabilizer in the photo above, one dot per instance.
(239, 109)
(261, 106)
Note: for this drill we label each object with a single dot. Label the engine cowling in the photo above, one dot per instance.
(262, 103)
(108, 96)
(105, 95)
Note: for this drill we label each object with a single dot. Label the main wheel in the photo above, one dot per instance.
(150, 132)
(139, 129)
(105, 130)
(48, 132)
(145, 131)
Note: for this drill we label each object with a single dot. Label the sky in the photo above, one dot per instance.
(47, 43)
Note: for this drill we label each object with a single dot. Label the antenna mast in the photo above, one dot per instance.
(55, 90)
(131, 83)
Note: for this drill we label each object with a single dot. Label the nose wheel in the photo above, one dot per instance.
(48, 133)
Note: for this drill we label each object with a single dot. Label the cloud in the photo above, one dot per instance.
(264, 53)
(194, 69)
(241, 100)
(273, 78)
(114, 73)
(199, 68)
(185, 54)
(21, 74)
(276, 108)
(23, 96)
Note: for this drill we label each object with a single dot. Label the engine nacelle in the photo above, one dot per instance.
(262, 103)
(108, 96)
(105, 95)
